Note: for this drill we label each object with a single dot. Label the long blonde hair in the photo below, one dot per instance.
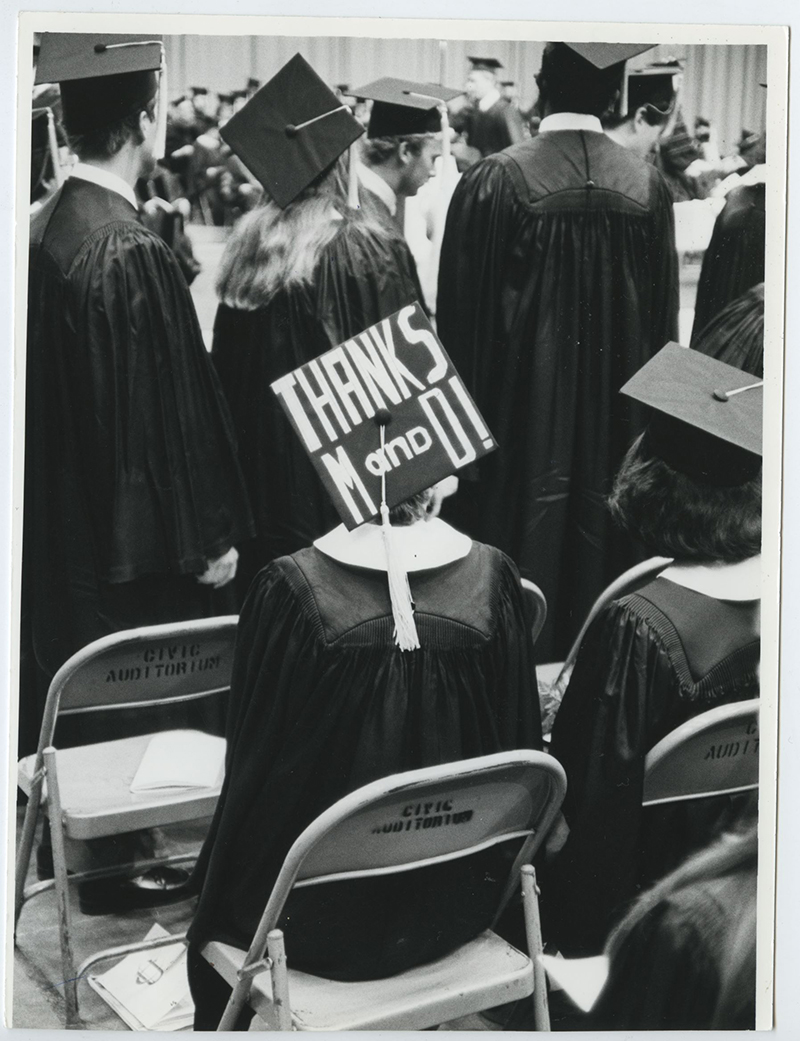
(273, 248)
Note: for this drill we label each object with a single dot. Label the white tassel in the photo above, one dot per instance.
(405, 628)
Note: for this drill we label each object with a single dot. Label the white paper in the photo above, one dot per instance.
(181, 759)
(581, 979)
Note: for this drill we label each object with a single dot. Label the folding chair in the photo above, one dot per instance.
(558, 673)
(715, 753)
(85, 791)
(536, 606)
(483, 801)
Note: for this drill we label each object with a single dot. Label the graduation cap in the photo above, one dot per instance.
(603, 55)
(707, 415)
(253, 84)
(195, 91)
(653, 87)
(404, 107)
(395, 376)
(484, 64)
(292, 130)
(104, 78)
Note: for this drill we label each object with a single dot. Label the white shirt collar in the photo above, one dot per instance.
(721, 581)
(570, 121)
(488, 100)
(376, 184)
(105, 179)
(421, 546)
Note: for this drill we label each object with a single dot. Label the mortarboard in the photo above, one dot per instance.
(195, 91)
(291, 130)
(485, 64)
(604, 55)
(253, 83)
(103, 77)
(394, 375)
(405, 107)
(707, 415)
(508, 83)
(654, 86)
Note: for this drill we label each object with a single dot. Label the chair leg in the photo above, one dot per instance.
(28, 836)
(280, 980)
(533, 931)
(62, 890)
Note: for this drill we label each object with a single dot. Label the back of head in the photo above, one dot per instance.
(569, 83)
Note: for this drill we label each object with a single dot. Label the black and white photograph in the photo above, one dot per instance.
(397, 524)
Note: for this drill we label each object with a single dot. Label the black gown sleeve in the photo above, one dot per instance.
(174, 496)
(478, 233)
(601, 736)
(664, 268)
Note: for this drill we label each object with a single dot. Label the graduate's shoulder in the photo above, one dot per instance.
(553, 166)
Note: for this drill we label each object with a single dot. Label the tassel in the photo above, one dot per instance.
(352, 177)
(405, 628)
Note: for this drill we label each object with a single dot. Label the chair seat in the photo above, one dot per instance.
(485, 972)
(94, 783)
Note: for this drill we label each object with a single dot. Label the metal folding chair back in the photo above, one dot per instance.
(160, 664)
(536, 605)
(628, 582)
(408, 821)
(715, 753)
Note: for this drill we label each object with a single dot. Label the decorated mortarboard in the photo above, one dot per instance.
(292, 130)
(707, 415)
(485, 64)
(104, 77)
(604, 55)
(404, 107)
(395, 375)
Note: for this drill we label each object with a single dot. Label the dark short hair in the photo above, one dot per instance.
(674, 515)
(379, 150)
(570, 83)
(653, 116)
(106, 142)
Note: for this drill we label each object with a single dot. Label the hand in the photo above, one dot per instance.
(220, 571)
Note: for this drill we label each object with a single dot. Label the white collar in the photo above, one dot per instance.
(105, 179)
(721, 581)
(570, 121)
(489, 99)
(376, 184)
(421, 546)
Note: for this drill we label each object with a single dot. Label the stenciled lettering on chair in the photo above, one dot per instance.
(423, 816)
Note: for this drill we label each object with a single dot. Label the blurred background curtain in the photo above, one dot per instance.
(721, 81)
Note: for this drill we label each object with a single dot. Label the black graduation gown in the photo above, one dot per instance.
(734, 260)
(361, 277)
(558, 281)
(648, 663)
(495, 129)
(322, 702)
(736, 334)
(131, 480)
(668, 972)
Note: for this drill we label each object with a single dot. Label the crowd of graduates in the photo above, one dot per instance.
(164, 482)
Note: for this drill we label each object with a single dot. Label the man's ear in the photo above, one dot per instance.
(640, 119)
(404, 153)
(145, 122)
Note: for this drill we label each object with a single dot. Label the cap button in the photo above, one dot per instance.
(590, 184)
(720, 395)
